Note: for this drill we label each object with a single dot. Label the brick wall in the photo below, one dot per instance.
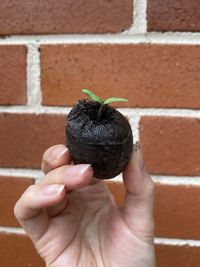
(148, 51)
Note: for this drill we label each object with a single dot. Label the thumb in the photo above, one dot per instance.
(137, 210)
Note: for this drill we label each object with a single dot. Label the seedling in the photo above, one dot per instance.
(101, 101)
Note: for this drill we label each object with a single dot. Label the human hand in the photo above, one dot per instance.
(72, 218)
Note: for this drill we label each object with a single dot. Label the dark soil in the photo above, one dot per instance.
(105, 143)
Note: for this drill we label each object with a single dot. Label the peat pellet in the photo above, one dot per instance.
(103, 141)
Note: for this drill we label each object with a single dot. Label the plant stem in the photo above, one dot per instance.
(99, 112)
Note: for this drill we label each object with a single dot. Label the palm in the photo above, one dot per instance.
(84, 228)
(90, 230)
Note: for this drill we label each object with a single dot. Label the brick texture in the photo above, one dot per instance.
(18, 251)
(13, 74)
(171, 145)
(118, 191)
(23, 138)
(175, 256)
(11, 188)
(177, 209)
(149, 75)
(170, 15)
(64, 16)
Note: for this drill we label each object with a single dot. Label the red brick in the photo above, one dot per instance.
(170, 15)
(11, 188)
(177, 209)
(24, 138)
(65, 16)
(13, 74)
(118, 191)
(17, 251)
(171, 145)
(175, 256)
(149, 75)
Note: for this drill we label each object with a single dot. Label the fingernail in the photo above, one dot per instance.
(79, 169)
(58, 152)
(139, 157)
(53, 189)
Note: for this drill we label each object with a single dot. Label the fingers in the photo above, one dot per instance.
(57, 156)
(37, 197)
(54, 157)
(50, 192)
(74, 177)
(138, 206)
(42, 194)
(29, 210)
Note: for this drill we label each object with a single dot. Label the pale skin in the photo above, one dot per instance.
(73, 221)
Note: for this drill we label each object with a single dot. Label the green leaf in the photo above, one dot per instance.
(92, 96)
(114, 99)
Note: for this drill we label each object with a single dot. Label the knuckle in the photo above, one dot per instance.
(24, 199)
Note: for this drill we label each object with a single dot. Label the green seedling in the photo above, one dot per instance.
(101, 101)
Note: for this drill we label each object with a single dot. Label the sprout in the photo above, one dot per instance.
(114, 99)
(92, 96)
(101, 101)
